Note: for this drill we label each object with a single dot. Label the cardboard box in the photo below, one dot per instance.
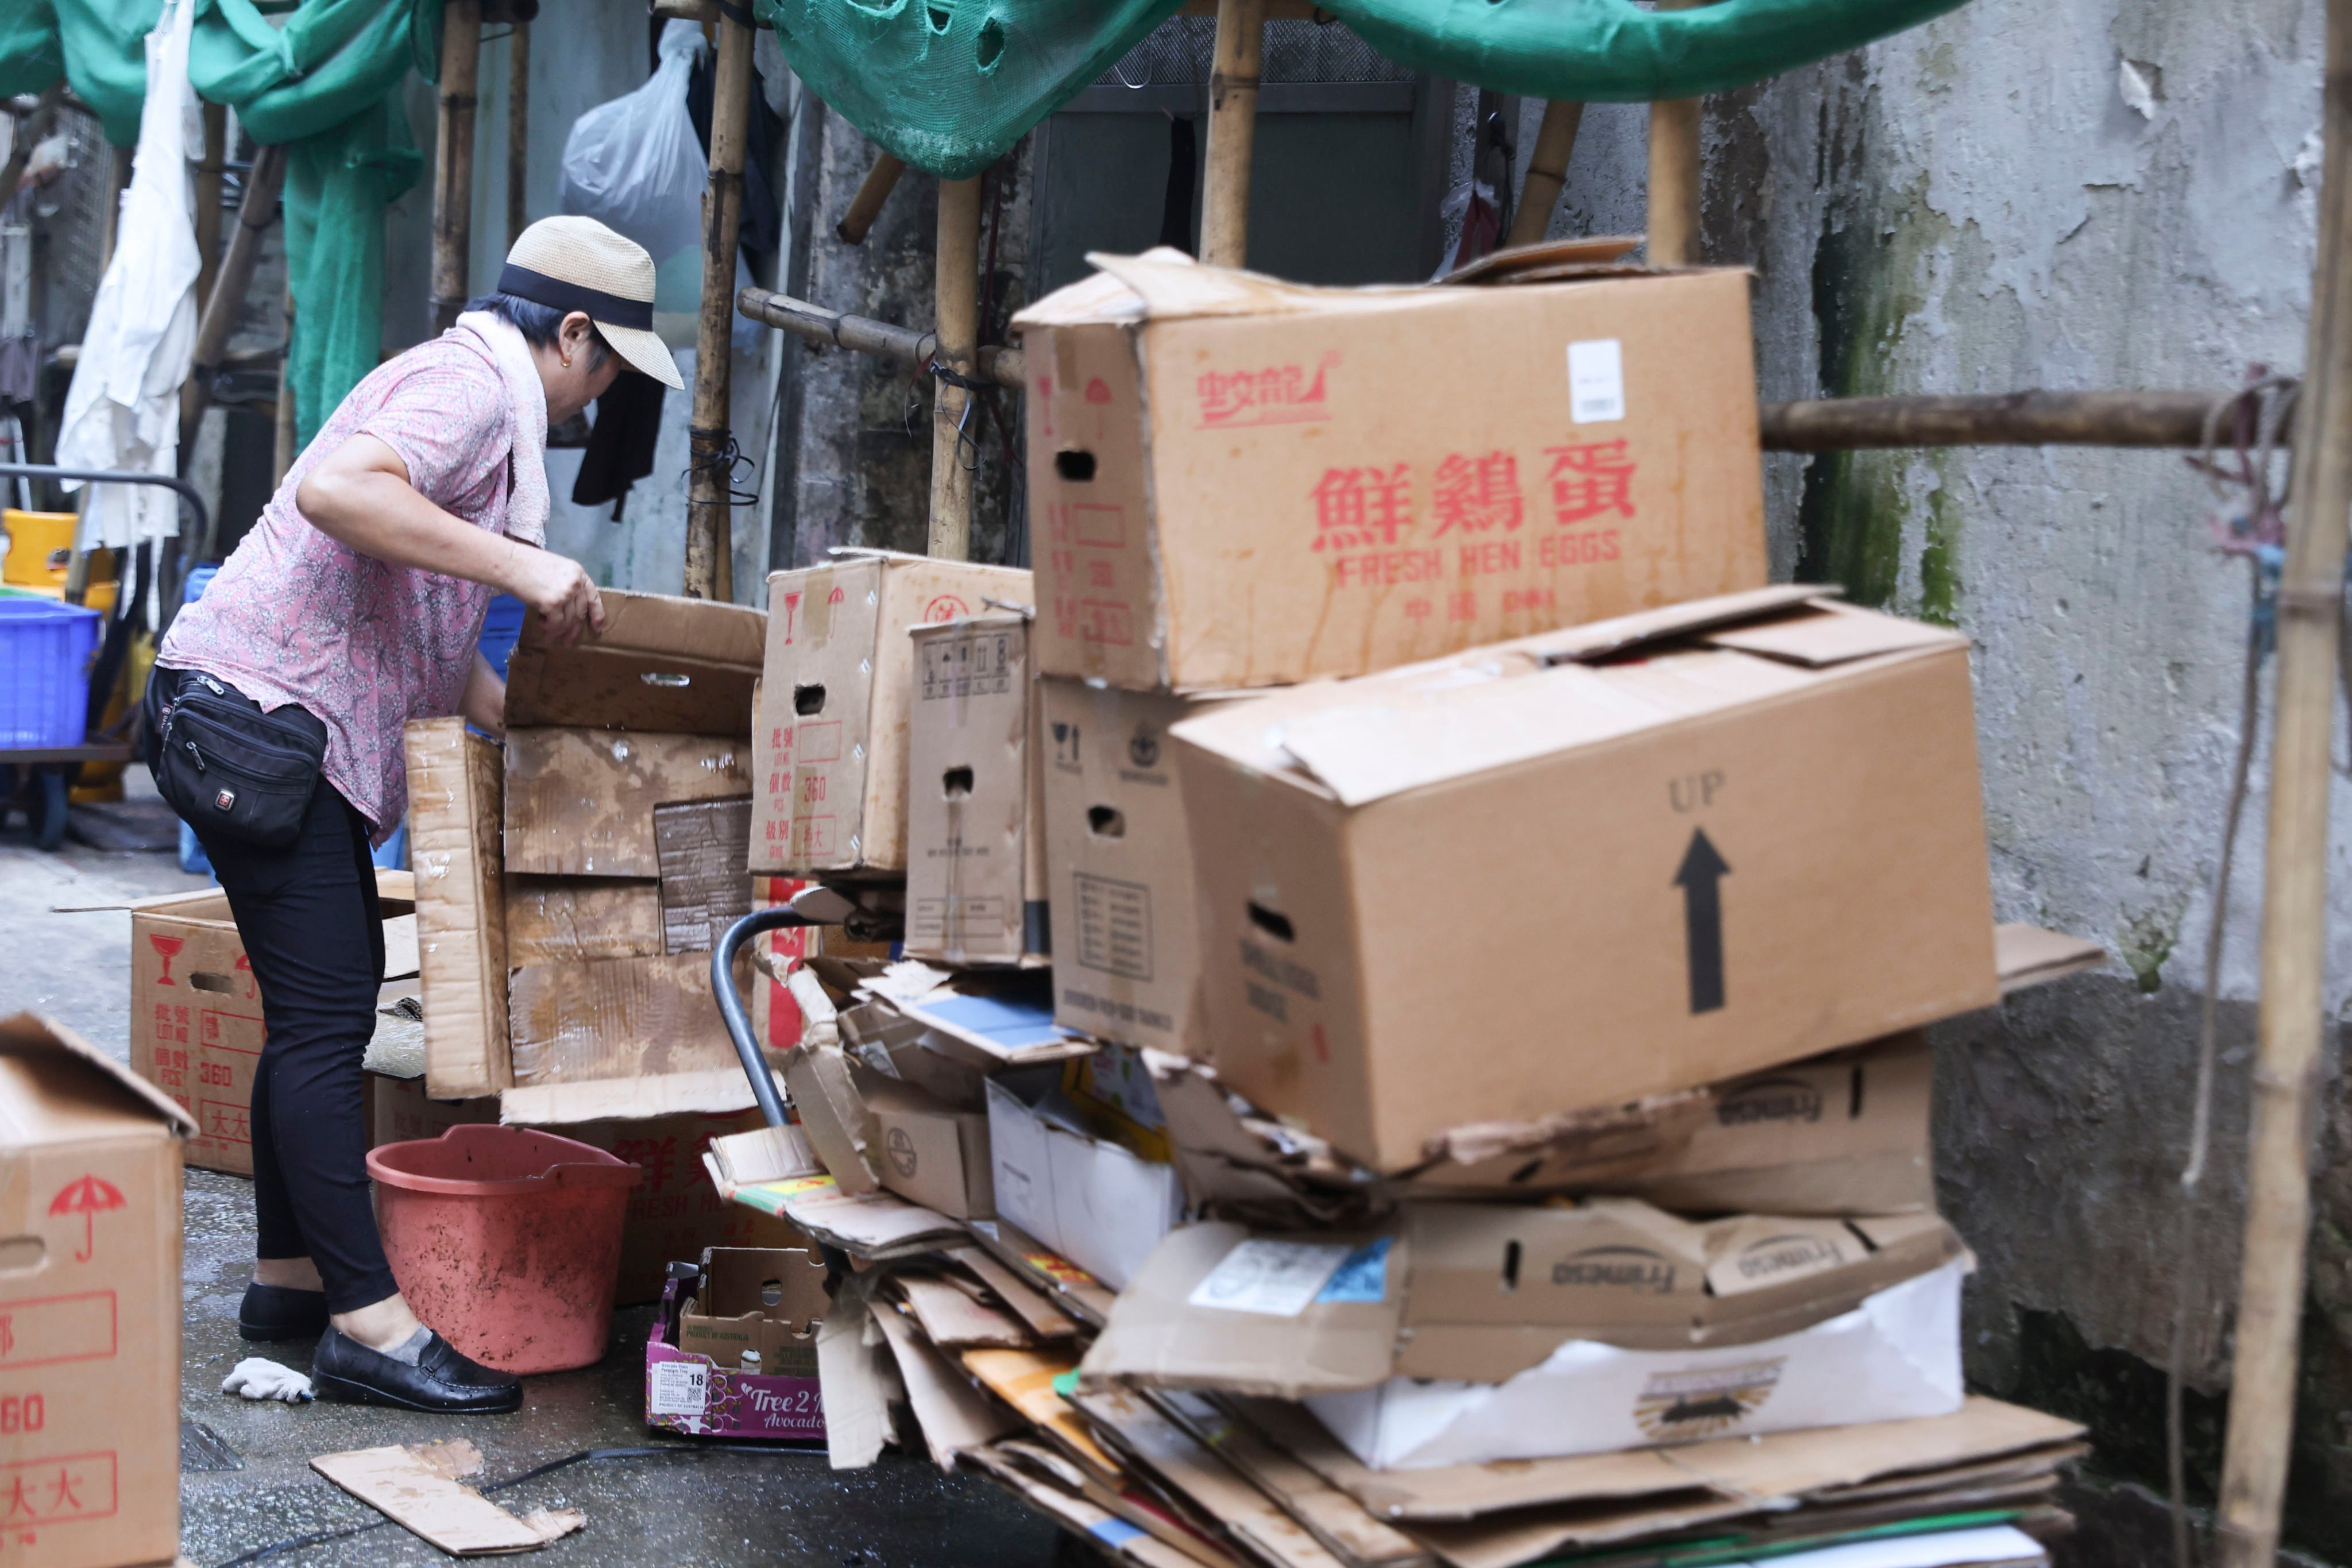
(767, 1298)
(873, 1131)
(580, 801)
(1243, 482)
(90, 1368)
(456, 791)
(1118, 863)
(975, 862)
(1099, 1204)
(1688, 846)
(195, 1010)
(836, 689)
(1484, 1293)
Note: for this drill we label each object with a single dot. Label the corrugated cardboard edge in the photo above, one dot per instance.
(455, 785)
(2028, 955)
(710, 1092)
(426, 1497)
(37, 1034)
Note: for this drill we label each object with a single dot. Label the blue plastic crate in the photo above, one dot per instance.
(44, 653)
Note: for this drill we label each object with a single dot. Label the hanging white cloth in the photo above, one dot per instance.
(123, 408)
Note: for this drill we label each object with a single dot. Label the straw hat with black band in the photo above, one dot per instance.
(577, 264)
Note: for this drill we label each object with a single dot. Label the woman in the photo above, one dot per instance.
(353, 606)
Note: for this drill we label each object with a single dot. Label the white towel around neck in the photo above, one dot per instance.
(526, 504)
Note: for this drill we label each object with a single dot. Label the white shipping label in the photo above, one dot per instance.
(1596, 381)
(678, 1388)
(1275, 1277)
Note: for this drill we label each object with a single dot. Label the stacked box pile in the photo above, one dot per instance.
(1468, 1099)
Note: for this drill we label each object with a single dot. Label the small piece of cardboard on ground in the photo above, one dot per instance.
(418, 1488)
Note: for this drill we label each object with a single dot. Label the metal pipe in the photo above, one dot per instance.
(189, 495)
(731, 1009)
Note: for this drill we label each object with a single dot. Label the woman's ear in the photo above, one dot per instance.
(575, 334)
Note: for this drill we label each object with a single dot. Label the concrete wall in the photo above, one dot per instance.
(1990, 202)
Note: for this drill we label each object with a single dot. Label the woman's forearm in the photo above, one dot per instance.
(380, 515)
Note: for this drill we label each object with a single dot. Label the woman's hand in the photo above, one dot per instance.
(559, 588)
(484, 706)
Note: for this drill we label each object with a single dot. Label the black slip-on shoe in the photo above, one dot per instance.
(273, 1312)
(442, 1381)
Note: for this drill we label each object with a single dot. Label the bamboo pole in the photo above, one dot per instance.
(709, 546)
(867, 205)
(1232, 130)
(518, 130)
(863, 335)
(1547, 171)
(957, 289)
(2005, 419)
(209, 175)
(282, 456)
(2295, 893)
(226, 298)
(109, 217)
(1675, 173)
(453, 158)
(29, 132)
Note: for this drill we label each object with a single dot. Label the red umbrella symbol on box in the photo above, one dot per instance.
(88, 1197)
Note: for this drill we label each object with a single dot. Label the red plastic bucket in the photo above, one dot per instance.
(506, 1242)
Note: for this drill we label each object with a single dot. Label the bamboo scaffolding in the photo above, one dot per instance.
(867, 205)
(1239, 58)
(518, 130)
(1547, 171)
(2291, 1022)
(453, 158)
(210, 170)
(1675, 173)
(956, 348)
(226, 298)
(709, 542)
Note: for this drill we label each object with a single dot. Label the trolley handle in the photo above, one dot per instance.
(731, 1005)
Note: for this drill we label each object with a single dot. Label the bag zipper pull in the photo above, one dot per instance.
(197, 754)
(217, 689)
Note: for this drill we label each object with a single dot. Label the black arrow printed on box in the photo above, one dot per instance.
(1703, 870)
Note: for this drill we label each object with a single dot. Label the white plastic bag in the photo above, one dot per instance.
(633, 164)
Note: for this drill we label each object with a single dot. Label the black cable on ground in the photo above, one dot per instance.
(320, 1537)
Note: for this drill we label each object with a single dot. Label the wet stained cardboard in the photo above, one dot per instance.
(1736, 860)
(456, 783)
(617, 1018)
(1237, 481)
(580, 801)
(195, 1011)
(835, 690)
(702, 846)
(89, 1292)
(662, 663)
(975, 862)
(1119, 864)
(563, 919)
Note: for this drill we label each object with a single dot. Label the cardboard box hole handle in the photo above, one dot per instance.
(1510, 1266)
(772, 1292)
(1853, 1105)
(1106, 822)
(808, 699)
(22, 1254)
(956, 784)
(666, 677)
(219, 983)
(1074, 466)
(1276, 926)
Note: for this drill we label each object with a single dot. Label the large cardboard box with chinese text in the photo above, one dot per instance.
(196, 1030)
(975, 850)
(1676, 848)
(90, 1295)
(836, 693)
(1237, 481)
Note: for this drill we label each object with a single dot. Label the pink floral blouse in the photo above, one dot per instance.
(295, 616)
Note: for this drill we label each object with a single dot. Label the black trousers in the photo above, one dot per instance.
(314, 935)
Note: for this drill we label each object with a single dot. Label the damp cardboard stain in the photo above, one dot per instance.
(421, 1488)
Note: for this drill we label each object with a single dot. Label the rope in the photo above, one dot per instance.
(723, 462)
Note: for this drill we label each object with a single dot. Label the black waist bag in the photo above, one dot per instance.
(228, 767)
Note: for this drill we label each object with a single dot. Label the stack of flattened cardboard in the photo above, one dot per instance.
(1478, 1109)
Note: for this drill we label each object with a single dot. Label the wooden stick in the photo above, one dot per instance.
(2007, 419)
(226, 299)
(710, 545)
(2291, 1025)
(1547, 171)
(518, 132)
(957, 287)
(453, 158)
(867, 205)
(282, 458)
(1675, 173)
(29, 132)
(1233, 129)
(110, 216)
(863, 335)
(209, 173)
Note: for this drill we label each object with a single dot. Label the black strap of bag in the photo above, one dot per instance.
(228, 767)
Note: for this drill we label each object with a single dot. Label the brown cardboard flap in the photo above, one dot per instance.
(455, 792)
(616, 1018)
(2028, 955)
(562, 919)
(580, 803)
(1514, 264)
(33, 1036)
(1831, 634)
(661, 663)
(707, 1091)
(704, 849)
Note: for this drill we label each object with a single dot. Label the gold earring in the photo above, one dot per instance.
(567, 362)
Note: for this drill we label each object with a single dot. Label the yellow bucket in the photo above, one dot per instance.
(40, 547)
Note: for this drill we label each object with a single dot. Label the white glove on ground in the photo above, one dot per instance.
(257, 1378)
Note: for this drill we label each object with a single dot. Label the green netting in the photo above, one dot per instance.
(326, 86)
(950, 84)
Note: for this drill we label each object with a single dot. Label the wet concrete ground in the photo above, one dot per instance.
(684, 1504)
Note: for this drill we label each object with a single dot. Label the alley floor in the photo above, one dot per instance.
(247, 1485)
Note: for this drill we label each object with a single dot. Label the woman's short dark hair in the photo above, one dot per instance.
(539, 324)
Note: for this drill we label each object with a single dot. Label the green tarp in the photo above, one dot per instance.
(326, 84)
(950, 84)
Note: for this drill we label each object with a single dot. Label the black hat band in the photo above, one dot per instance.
(557, 295)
